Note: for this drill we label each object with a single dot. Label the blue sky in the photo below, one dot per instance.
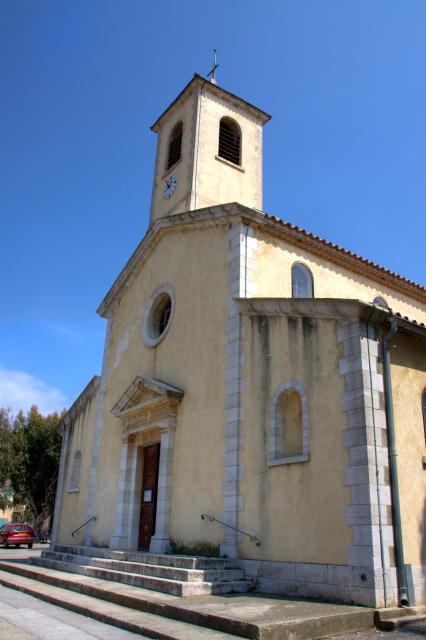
(81, 81)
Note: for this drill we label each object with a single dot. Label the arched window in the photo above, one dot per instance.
(380, 302)
(424, 410)
(230, 140)
(302, 285)
(289, 428)
(75, 472)
(175, 145)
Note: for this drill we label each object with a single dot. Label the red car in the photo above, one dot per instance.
(17, 534)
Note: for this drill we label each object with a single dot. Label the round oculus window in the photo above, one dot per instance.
(158, 315)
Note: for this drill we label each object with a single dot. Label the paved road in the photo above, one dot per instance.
(22, 552)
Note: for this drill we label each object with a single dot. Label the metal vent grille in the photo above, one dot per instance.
(175, 146)
(229, 141)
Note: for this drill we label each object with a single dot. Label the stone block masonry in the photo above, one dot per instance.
(242, 244)
(364, 438)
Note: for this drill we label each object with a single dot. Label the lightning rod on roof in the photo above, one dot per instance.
(212, 73)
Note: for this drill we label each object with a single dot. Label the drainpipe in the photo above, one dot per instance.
(399, 548)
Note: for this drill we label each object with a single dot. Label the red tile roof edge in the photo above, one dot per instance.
(341, 250)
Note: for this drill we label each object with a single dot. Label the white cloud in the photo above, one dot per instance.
(20, 390)
(63, 330)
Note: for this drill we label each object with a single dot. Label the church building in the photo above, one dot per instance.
(262, 397)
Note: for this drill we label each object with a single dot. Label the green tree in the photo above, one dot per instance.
(30, 459)
(6, 457)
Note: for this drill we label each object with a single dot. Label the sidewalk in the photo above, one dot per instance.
(23, 617)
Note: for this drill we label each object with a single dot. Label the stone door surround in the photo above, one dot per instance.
(147, 404)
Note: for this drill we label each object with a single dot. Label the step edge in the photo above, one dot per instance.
(168, 610)
(388, 624)
(142, 603)
(162, 567)
(400, 612)
(74, 569)
(108, 619)
(166, 557)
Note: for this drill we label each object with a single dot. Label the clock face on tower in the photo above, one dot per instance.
(169, 187)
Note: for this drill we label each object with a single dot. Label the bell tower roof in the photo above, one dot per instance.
(197, 82)
(209, 151)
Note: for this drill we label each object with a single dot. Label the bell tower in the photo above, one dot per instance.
(209, 151)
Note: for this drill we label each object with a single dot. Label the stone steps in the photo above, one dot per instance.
(140, 599)
(159, 571)
(402, 621)
(247, 616)
(147, 624)
(175, 575)
(164, 585)
(168, 560)
(395, 617)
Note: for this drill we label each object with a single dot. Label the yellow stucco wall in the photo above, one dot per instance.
(74, 504)
(183, 170)
(272, 277)
(190, 357)
(298, 509)
(216, 181)
(203, 179)
(408, 382)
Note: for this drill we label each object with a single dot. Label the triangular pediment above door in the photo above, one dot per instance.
(146, 395)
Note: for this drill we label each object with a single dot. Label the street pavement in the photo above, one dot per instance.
(23, 617)
(22, 553)
(415, 631)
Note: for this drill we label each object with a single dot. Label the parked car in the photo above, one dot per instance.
(17, 534)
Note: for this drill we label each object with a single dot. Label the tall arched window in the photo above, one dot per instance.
(75, 472)
(302, 285)
(175, 145)
(289, 427)
(424, 410)
(290, 409)
(230, 140)
(380, 302)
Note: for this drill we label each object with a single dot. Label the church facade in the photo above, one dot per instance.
(262, 392)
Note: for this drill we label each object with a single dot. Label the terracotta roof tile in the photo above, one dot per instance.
(342, 250)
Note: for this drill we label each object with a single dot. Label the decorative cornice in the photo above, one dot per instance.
(222, 214)
(319, 308)
(147, 397)
(343, 309)
(80, 404)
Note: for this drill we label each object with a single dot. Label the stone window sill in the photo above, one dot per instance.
(172, 168)
(289, 460)
(75, 490)
(230, 164)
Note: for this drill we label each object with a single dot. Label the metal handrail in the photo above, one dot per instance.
(205, 516)
(93, 518)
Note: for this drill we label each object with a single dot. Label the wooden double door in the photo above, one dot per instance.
(151, 461)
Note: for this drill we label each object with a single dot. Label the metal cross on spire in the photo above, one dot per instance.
(212, 73)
